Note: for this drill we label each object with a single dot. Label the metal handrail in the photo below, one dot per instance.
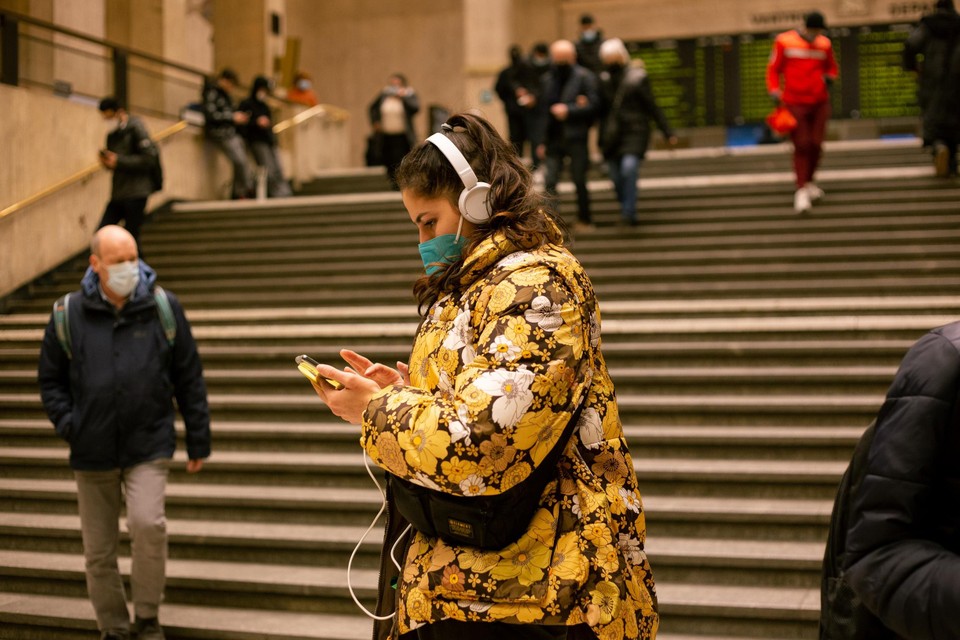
(336, 113)
(80, 176)
(103, 42)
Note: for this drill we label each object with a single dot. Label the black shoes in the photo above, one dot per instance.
(148, 629)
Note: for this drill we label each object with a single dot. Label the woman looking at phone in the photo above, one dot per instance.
(508, 351)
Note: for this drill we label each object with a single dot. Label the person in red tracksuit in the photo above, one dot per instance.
(804, 57)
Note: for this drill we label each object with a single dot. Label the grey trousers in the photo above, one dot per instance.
(243, 182)
(266, 157)
(100, 496)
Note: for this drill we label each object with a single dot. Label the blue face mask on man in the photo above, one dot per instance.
(440, 251)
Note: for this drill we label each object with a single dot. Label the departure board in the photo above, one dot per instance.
(886, 90)
(721, 80)
(675, 69)
(754, 54)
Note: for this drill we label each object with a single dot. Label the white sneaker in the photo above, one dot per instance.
(801, 201)
(813, 191)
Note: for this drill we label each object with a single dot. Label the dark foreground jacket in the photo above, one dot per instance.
(137, 173)
(937, 39)
(903, 545)
(113, 401)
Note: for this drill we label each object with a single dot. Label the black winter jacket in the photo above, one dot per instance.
(135, 175)
(113, 401)
(937, 39)
(253, 132)
(637, 108)
(217, 112)
(565, 89)
(903, 545)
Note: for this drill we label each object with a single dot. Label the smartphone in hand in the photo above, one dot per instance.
(308, 367)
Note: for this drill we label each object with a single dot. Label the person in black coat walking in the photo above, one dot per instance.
(258, 132)
(937, 41)
(135, 162)
(628, 106)
(111, 398)
(571, 102)
(902, 556)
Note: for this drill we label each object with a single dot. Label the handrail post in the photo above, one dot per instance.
(10, 51)
(120, 77)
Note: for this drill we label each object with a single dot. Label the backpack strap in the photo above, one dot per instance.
(164, 310)
(61, 323)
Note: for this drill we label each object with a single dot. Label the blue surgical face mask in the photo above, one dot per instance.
(442, 249)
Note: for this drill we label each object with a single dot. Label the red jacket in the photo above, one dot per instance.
(804, 65)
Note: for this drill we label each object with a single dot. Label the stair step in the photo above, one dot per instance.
(53, 615)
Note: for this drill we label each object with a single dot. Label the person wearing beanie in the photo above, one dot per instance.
(804, 59)
(588, 46)
(936, 41)
(260, 138)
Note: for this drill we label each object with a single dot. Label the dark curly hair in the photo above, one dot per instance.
(520, 213)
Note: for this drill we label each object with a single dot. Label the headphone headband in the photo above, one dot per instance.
(472, 203)
(456, 159)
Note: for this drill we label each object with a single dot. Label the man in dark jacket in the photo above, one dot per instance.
(135, 162)
(260, 137)
(111, 399)
(902, 556)
(571, 101)
(628, 106)
(937, 40)
(588, 45)
(514, 97)
(220, 125)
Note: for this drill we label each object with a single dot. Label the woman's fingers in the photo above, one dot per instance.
(355, 360)
(404, 370)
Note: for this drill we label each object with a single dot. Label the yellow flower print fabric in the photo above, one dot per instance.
(496, 375)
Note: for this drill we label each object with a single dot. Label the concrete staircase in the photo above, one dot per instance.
(749, 346)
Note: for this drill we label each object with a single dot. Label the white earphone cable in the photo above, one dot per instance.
(393, 549)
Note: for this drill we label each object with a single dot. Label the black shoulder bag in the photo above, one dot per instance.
(487, 522)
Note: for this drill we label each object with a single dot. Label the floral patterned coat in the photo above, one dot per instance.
(495, 377)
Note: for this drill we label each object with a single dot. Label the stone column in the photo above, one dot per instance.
(487, 36)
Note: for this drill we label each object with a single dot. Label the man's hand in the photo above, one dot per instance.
(560, 111)
(108, 159)
(263, 122)
(583, 101)
(240, 117)
(194, 466)
(777, 96)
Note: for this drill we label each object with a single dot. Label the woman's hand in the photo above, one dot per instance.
(379, 373)
(351, 401)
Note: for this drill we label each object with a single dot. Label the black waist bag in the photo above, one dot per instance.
(487, 522)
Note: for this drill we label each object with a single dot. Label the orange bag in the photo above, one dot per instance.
(781, 121)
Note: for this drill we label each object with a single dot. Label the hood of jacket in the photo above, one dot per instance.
(148, 278)
(943, 23)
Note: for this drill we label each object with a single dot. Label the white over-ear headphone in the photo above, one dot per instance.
(473, 203)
